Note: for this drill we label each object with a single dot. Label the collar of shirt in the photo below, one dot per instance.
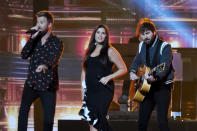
(156, 38)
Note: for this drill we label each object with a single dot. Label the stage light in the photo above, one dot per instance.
(82, 45)
(23, 41)
(175, 114)
(68, 112)
(18, 16)
(12, 122)
(170, 19)
(175, 44)
(3, 29)
(12, 113)
(86, 45)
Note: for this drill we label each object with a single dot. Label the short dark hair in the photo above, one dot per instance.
(143, 25)
(147, 26)
(47, 14)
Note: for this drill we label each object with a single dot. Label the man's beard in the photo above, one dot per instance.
(149, 41)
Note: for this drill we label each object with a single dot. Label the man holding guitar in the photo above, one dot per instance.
(153, 53)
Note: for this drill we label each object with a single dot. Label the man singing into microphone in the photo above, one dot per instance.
(44, 50)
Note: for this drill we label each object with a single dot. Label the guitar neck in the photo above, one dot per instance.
(157, 68)
(151, 71)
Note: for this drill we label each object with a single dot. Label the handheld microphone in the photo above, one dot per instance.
(31, 31)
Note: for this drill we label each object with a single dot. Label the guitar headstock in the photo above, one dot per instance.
(160, 67)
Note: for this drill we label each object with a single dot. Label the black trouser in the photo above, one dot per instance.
(158, 96)
(48, 100)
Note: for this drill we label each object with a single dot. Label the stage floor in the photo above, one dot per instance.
(127, 121)
(68, 102)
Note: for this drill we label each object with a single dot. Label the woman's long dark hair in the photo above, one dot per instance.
(103, 56)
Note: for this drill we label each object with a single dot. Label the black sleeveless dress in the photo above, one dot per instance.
(97, 96)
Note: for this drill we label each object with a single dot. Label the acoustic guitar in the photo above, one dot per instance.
(141, 85)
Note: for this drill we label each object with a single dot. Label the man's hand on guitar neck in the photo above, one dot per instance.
(133, 76)
(149, 78)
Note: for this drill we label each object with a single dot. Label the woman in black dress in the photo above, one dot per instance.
(97, 79)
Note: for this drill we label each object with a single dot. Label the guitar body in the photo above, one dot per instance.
(142, 85)
(134, 94)
(145, 86)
